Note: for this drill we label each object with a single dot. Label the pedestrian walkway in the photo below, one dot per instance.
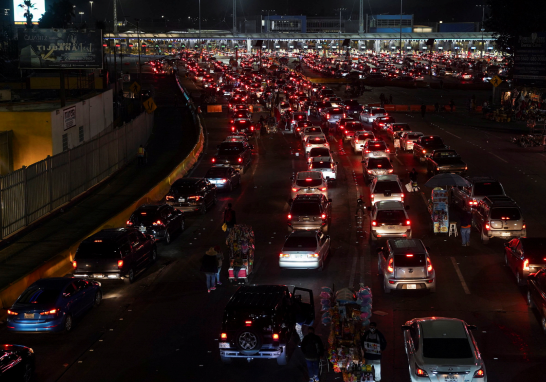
(173, 138)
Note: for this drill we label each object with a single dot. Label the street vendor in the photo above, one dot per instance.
(373, 344)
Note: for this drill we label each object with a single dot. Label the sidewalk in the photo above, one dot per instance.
(172, 139)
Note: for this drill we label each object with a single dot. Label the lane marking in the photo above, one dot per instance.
(505, 161)
(459, 273)
(456, 136)
(399, 161)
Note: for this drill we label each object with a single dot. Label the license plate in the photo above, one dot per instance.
(305, 219)
(391, 227)
(223, 345)
(29, 315)
(506, 234)
(297, 256)
(181, 200)
(97, 276)
(382, 172)
(142, 229)
(451, 378)
(414, 286)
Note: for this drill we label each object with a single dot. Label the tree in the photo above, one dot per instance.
(27, 6)
(59, 15)
(509, 19)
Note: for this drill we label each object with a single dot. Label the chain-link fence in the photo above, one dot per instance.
(31, 192)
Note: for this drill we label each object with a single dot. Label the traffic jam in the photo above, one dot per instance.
(328, 134)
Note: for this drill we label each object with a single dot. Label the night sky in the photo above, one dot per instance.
(215, 11)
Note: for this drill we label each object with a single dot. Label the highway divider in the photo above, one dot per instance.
(61, 264)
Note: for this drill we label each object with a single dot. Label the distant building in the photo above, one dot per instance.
(389, 23)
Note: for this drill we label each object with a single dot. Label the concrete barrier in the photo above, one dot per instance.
(414, 107)
(390, 108)
(214, 108)
(61, 264)
(401, 107)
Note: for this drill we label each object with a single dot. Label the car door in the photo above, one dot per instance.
(305, 299)
(511, 254)
(72, 299)
(540, 293)
(138, 253)
(168, 218)
(87, 293)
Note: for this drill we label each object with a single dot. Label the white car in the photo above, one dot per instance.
(375, 149)
(359, 140)
(313, 141)
(386, 187)
(309, 182)
(369, 114)
(408, 139)
(442, 349)
(311, 130)
(324, 165)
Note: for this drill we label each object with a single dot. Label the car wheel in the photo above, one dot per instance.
(29, 372)
(385, 286)
(98, 298)
(248, 342)
(225, 360)
(530, 300)
(167, 237)
(68, 323)
(131, 277)
(484, 237)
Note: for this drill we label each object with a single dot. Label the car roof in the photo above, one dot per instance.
(387, 178)
(479, 179)
(108, 234)
(149, 207)
(501, 201)
(389, 205)
(54, 282)
(308, 174)
(190, 180)
(404, 246)
(442, 327)
(258, 296)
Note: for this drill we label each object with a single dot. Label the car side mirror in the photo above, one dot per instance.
(471, 327)
(406, 327)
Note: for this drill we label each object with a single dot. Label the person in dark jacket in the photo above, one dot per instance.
(312, 349)
(209, 265)
(229, 218)
(373, 343)
(466, 226)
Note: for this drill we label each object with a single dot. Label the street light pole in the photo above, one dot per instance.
(91, 3)
(200, 44)
(482, 28)
(81, 17)
(138, 42)
(401, 28)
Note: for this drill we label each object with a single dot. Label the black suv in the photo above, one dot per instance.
(310, 212)
(115, 253)
(259, 322)
(159, 221)
(192, 195)
(236, 154)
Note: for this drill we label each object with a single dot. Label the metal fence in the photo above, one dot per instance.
(31, 192)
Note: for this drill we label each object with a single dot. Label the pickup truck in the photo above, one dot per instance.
(425, 145)
(445, 161)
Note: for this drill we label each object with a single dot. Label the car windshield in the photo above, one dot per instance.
(389, 185)
(230, 148)
(319, 152)
(305, 209)
(410, 260)
(391, 217)
(379, 163)
(301, 243)
(97, 250)
(446, 348)
(487, 189)
(216, 172)
(37, 295)
(505, 213)
(309, 182)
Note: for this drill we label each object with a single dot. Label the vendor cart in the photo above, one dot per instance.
(439, 210)
(240, 242)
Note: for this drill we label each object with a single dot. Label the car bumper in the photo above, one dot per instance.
(387, 234)
(186, 208)
(294, 194)
(53, 325)
(264, 354)
(507, 234)
(426, 283)
(99, 275)
(299, 264)
(306, 226)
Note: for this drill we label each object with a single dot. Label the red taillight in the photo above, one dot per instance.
(168, 197)
(387, 151)
(295, 189)
(374, 223)
(129, 222)
(275, 336)
(323, 189)
(248, 323)
(12, 313)
(120, 264)
(408, 222)
(424, 151)
(239, 160)
(487, 226)
(223, 336)
(74, 264)
(251, 128)
(232, 128)
(390, 171)
(213, 160)
(327, 116)
(420, 372)
(323, 216)
(367, 151)
(429, 265)
(289, 216)
(308, 145)
(479, 373)
(524, 226)
(390, 266)
(50, 312)
(526, 264)
(159, 222)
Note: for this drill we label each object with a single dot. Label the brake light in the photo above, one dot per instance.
(429, 265)
(289, 216)
(248, 323)
(327, 116)
(524, 225)
(526, 264)
(275, 336)
(12, 313)
(49, 312)
(420, 372)
(295, 189)
(168, 197)
(374, 223)
(487, 226)
(314, 255)
(120, 264)
(390, 171)
(284, 255)
(387, 150)
(323, 189)
(408, 222)
(367, 151)
(213, 160)
(74, 264)
(390, 266)
(424, 151)
(159, 222)
(239, 160)
(251, 128)
(479, 373)
(323, 216)
(223, 336)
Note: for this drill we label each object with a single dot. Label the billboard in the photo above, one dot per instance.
(60, 49)
(530, 60)
(37, 12)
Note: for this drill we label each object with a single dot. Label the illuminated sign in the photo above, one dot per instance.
(19, 12)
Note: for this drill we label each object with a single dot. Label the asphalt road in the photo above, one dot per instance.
(165, 326)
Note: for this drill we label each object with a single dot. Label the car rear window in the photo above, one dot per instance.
(301, 243)
(317, 141)
(363, 137)
(230, 148)
(319, 152)
(184, 188)
(378, 111)
(391, 217)
(97, 250)
(313, 130)
(36, 295)
(377, 146)
(385, 186)
(446, 348)
(351, 126)
(336, 111)
(401, 127)
(505, 213)
(305, 209)
(379, 162)
(410, 260)
(487, 189)
(432, 140)
(413, 136)
(321, 164)
(309, 182)
(216, 172)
